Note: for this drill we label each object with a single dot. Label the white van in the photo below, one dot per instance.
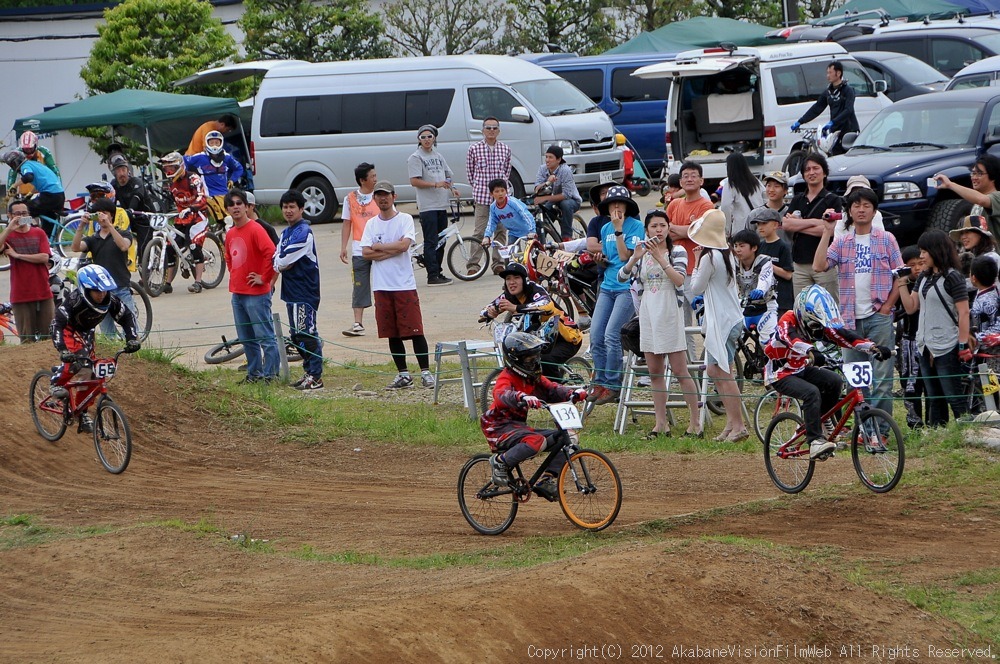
(747, 99)
(314, 122)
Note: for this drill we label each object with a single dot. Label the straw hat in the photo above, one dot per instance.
(709, 230)
(973, 222)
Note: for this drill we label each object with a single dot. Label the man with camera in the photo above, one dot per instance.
(27, 249)
(108, 247)
(864, 260)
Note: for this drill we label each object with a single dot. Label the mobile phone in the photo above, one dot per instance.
(932, 183)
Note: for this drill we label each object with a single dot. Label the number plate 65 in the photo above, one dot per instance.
(566, 415)
(104, 369)
(858, 374)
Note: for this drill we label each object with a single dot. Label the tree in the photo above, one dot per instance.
(448, 27)
(766, 12)
(580, 26)
(312, 31)
(638, 16)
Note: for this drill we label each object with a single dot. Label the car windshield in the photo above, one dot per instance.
(555, 97)
(916, 72)
(914, 126)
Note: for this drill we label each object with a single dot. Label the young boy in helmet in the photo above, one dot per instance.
(791, 369)
(217, 168)
(191, 197)
(73, 327)
(521, 386)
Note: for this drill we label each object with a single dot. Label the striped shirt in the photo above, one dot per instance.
(484, 164)
(885, 257)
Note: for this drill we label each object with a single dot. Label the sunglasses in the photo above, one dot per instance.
(426, 137)
(491, 128)
(98, 194)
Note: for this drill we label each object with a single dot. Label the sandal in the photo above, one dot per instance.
(694, 434)
(738, 436)
(723, 436)
(653, 435)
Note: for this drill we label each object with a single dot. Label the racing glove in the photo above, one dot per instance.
(67, 357)
(579, 395)
(827, 127)
(965, 354)
(881, 353)
(132, 345)
(795, 126)
(529, 401)
(698, 301)
(756, 294)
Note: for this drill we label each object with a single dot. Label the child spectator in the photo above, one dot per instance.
(767, 222)
(755, 281)
(909, 366)
(985, 307)
(507, 212)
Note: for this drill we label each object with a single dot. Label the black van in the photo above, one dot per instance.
(946, 49)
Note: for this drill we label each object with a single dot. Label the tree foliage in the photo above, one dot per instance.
(581, 26)
(312, 31)
(635, 16)
(444, 27)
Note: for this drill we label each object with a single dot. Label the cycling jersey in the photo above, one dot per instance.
(191, 196)
(75, 317)
(541, 315)
(217, 176)
(507, 419)
(44, 179)
(788, 350)
(42, 156)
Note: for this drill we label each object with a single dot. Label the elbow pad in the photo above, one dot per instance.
(27, 178)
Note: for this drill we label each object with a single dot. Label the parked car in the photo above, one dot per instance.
(977, 75)
(912, 140)
(904, 75)
(946, 49)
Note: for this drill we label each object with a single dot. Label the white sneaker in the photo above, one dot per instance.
(820, 446)
(402, 381)
(426, 379)
(644, 381)
(357, 330)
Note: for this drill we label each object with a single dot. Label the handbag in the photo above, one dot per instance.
(630, 336)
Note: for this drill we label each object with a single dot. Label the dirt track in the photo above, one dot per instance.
(143, 591)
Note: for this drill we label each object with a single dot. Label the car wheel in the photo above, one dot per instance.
(321, 201)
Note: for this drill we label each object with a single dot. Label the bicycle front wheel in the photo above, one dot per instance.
(224, 352)
(143, 310)
(489, 509)
(579, 227)
(48, 413)
(460, 255)
(112, 436)
(215, 262)
(877, 450)
(590, 490)
(770, 405)
(790, 469)
(153, 268)
(64, 238)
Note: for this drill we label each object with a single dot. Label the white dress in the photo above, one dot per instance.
(661, 318)
(722, 302)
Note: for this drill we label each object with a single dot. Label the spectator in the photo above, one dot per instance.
(109, 248)
(863, 261)
(670, 189)
(250, 259)
(122, 219)
(715, 279)
(509, 213)
(432, 180)
(775, 190)
(804, 218)
(487, 160)
(983, 195)
(940, 296)
(131, 195)
(985, 311)
(909, 355)
(386, 242)
(360, 207)
(252, 213)
(27, 249)
(843, 225)
(741, 193)
(755, 283)
(839, 98)
(224, 125)
(48, 202)
(768, 221)
(974, 236)
(556, 178)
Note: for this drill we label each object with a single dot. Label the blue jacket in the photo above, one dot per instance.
(216, 178)
(295, 258)
(44, 178)
(515, 218)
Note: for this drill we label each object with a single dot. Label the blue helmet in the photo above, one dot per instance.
(816, 310)
(95, 277)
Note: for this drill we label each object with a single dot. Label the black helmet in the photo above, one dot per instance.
(516, 270)
(522, 354)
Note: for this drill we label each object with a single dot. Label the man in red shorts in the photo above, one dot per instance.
(386, 242)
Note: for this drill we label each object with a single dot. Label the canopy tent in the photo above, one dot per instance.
(697, 32)
(163, 121)
(913, 10)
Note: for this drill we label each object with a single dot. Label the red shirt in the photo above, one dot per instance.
(682, 213)
(249, 249)
(29, 282)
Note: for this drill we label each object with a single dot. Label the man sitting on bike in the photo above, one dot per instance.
(218, 169)
(191, 197)
(540, 317)
(73, 327)
(791, 369)
(31, 151)
(50, 196)
(521, 386)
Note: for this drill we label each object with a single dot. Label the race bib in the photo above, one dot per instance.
(858, 374)
(566, 415)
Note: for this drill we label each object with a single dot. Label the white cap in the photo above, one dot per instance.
(250, 199)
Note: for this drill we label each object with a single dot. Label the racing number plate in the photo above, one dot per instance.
(605, 177)
(545, 264)
(104, 369)
(566, 415)
(858, 374)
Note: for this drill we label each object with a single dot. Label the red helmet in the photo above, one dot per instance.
(28, 142)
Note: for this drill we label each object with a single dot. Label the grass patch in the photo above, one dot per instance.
(23, 530)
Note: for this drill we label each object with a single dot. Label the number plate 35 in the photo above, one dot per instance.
(566, 415)
(858, 374)
(104, 369)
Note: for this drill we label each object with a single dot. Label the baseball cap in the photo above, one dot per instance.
(856, 181)
(250, 199)
(778, 177)
(384, 185)
(763, 215)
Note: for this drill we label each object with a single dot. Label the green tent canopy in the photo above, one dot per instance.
(697, 32)
(162, 120)
(913, 10)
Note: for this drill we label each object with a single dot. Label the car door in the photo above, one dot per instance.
(879, 73)
(524, 138)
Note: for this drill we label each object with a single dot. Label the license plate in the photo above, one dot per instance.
(606, 177)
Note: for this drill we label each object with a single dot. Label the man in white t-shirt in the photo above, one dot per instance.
(386, 243)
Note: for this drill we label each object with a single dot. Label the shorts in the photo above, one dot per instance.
(361, 277)
(397, 314)
(731, 341)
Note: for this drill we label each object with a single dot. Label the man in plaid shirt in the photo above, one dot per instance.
(487, 160)
(864, 259)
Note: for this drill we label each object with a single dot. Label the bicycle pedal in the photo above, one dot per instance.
(825, 455)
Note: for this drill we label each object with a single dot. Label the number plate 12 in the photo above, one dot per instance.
(858, 374)
(566, 415)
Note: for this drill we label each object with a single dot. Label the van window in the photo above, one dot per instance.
(589, 81)
(972, 81)
(914, 47)
(950, 55)
(496, 102)
(797, 84)
(354, 113)
(626, 87)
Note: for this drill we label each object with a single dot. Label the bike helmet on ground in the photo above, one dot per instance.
(209, 138)
(95, 277)
(172, 165)
(28, 142)
(13, 158)
(522, 354)
(816, 310)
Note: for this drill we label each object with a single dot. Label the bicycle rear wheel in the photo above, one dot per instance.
(460, 254)
(48, 413)
(877, 450)
(590, 490)
(64, 238)
(792, 472)
(486, 391)
(224, 352)
(112, 436)
(4, 263)
(579, 227)
(769, 405)
(215, 262)
(152, 266)
(489, 509)
(143, 310)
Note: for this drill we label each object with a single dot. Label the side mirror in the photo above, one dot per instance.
(847, 142)
(520, 114)
(881, 86)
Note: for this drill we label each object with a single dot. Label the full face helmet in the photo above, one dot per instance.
(173, 165)
(95, 278)
(13, 158)
(816, 310)
(522, 354)
(28, 143)
(213, 143)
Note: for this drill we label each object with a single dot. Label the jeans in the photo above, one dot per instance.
(433, 222)
(567, 208)
(305, 336)
(255, 329)
(613, 309)
(818, 389)
(877, 328)
(942, 376)
(108, 328)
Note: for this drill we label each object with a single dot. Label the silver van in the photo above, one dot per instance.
(314, 122)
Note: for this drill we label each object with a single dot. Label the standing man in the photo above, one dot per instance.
(486, 161)
(432, 180)
(223, 125)
(296, 261)
(358, 209)
(108, 246)
(864, 259)
(27, 248)
(564, 195)
(250, 259)
(386, 242)
(840, 98)
(252, 213)
(804, 219)
(131, 195)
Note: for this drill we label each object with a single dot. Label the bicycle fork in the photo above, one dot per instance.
(587, 487)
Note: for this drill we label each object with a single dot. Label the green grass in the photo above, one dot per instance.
(23, 530)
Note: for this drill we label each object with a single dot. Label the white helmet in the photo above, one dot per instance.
(214, 136)
(816, 310)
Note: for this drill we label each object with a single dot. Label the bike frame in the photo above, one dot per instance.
(82, 393)
(854, 400)
(523, 489)
(169, 233)
(6, 322)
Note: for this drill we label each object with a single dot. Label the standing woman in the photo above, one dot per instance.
(942, 336)
(658, 268)
(715, 278)
(742, 192)
(614, 308)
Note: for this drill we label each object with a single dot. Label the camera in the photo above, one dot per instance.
(902, 272)
(833, 216)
